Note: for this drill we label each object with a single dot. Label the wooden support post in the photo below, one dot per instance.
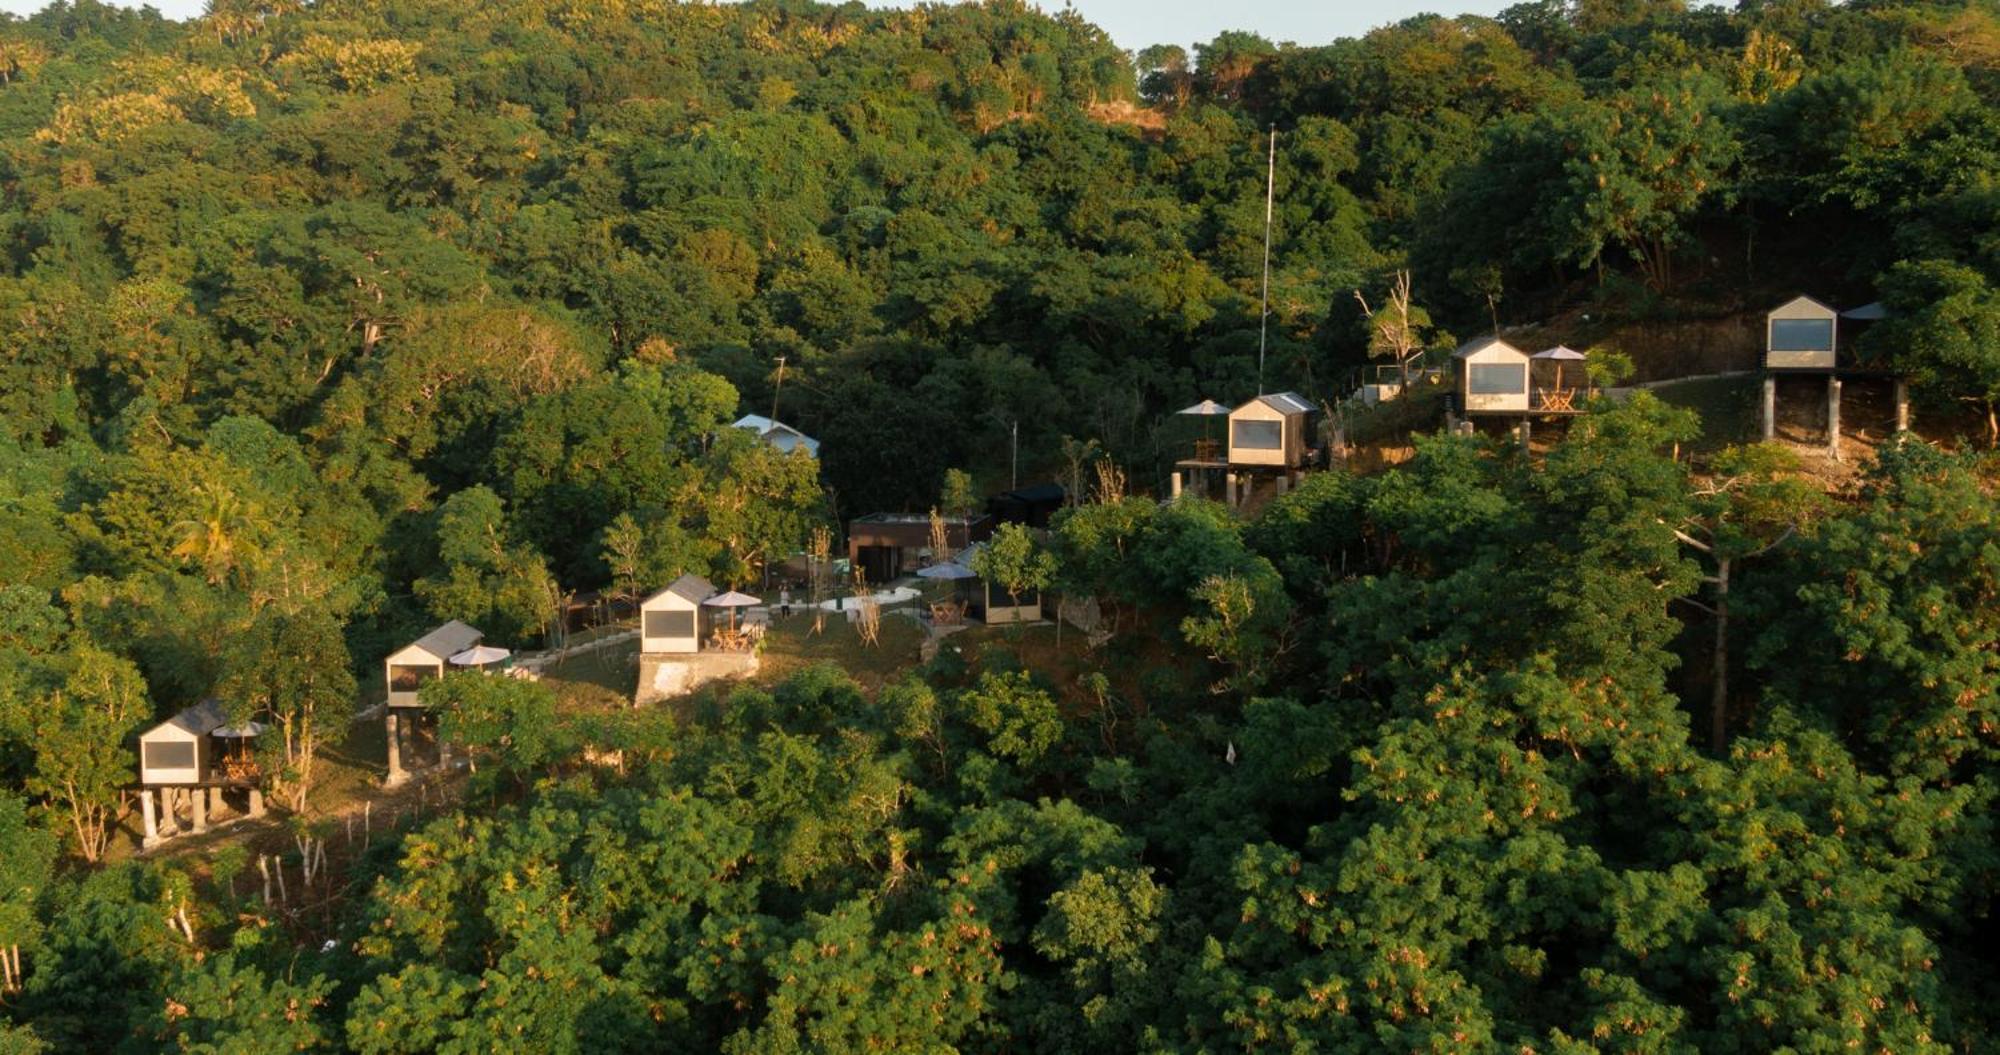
(198, 802)
(396, 774)
(1769, 418)
(152, 833)
(1833, 418)
(1902, 405)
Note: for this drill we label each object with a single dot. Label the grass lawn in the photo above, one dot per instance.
(791, 646)
(1727, 405)
(602, 677)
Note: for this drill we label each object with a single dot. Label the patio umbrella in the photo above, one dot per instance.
(246, 731)
(732, 601)
(479, 656)
(948, 571)
(1560, 354)
(1207, 408)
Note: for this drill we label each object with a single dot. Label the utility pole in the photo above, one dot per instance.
(779, 387)
(1270, 189)
(1014, 469)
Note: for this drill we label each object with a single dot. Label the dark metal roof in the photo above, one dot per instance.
(690, 587)
(1283, 403)
(200, 719)
(448, 640)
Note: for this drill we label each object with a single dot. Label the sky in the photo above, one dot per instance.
(1137, 23)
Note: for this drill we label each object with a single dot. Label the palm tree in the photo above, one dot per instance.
(217, 537)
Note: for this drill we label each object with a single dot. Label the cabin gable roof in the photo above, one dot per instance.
(1802, 307)
(691, 588)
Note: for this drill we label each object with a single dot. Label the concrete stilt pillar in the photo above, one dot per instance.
(215, 802)
(1175, 483)
(152, 833)
(198, 802)
(1284, 483)
(1833, 418)
(170, 804)
(396, 774)
(256, 802)
(1769, 417)
(1527, 428)
(1229, 488)
(1902, 405)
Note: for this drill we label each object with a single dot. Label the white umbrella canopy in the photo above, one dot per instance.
(479, 656)
(947, 571)
(1207, 408)
(1560, 354)
(245, 731)
(732, 599)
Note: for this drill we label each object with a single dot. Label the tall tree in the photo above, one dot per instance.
(291, 671)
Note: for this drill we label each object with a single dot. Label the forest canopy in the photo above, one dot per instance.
(326, 323)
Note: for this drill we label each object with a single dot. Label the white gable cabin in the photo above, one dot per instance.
(778, 434)
(1269, 432)
(422, 660)
(177, 751)
(672, 619)
(1492, 376)
(1800, 334)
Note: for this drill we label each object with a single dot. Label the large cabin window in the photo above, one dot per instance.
(1801, 335)
(1497, 379)
(169, 754)
(669, 624)
(410, 677)
(1258, 435)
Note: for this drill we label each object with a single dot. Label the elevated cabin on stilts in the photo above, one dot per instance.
(1492, 378)
(406, 671)
(188, 762)
(1268, 438)
(1804, 338)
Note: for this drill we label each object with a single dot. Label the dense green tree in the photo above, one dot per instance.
(81, 734)
(489, 580)
(291, 673)
(1945, 334)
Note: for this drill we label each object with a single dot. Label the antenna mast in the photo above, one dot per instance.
(1264, 317)
(779, 387)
